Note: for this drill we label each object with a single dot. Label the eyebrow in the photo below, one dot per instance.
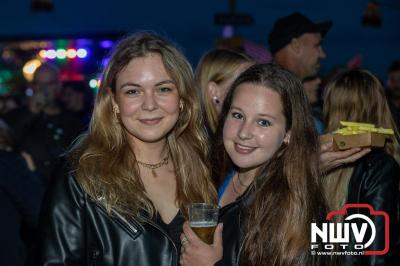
(259, 114)
(139, 86)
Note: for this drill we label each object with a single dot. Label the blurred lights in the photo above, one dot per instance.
(94, 83)
(43, 53)
(61, 54)
(106, 44)
(29, 68)
(81, 53)
(70, 53)
(51, 54)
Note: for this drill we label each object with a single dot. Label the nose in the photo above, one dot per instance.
(245, 131)
(149, 102)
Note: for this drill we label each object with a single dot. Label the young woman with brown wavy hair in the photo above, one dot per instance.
(358, 96)
(266, 134)
(141, 163)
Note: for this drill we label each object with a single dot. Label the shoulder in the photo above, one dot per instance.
(65, 189)
(375, 175)
(378, 164)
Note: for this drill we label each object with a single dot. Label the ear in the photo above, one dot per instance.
(286, 139)
(115, 106)
(295, 45)
(213, 92)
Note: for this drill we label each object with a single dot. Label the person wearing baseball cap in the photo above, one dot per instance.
(295, 43)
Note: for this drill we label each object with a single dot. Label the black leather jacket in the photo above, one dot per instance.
(233, 217)
(375, 181)
(77, 231)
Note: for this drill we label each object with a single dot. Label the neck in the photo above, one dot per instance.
(286, 60)
(149, 152)
(247, 175)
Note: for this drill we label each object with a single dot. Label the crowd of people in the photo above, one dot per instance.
(110, 183)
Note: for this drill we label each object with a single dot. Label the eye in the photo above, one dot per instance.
(237, 115)
(132, 91)
(264, 123)
(164, 89)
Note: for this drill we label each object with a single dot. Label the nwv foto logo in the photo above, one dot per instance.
(339, 235)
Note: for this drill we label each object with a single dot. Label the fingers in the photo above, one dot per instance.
(184, 240)
(190, 235)
(331, 160)
(355, 156)
(218, 235)
(327, 146)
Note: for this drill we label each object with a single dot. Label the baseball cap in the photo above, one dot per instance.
(293, 26)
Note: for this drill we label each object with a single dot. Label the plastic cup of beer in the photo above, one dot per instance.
(203, 219)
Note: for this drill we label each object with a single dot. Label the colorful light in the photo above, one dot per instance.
(61, 53)
(51, 54)
(29, 68)
(43, 54)
(71, 53)
(93, 83)
(81, 53)
(106, 44)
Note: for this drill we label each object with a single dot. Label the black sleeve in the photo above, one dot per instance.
(380, 188)
(62, 224)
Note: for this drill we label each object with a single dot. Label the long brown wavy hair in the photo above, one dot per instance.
(357, 96)
(287, 188)
(103, 161)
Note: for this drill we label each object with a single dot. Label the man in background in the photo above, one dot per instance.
(296, 43)
(42, 128)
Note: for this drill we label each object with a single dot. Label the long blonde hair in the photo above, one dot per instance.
(105, 165)
(217, 65)
(357, 96)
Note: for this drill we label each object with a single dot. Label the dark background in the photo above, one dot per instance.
(191, 24)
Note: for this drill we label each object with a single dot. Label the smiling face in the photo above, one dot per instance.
(255, 126)
(147, 99)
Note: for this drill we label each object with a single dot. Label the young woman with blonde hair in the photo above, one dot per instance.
(358, 96)
(215, 73)
(141, 163)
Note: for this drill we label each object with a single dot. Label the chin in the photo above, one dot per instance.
(245, 163)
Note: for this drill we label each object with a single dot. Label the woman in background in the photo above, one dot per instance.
(215, 73)
(266, 135)
(143, 160)
(358, 96)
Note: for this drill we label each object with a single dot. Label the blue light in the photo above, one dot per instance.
(106, 44)
(81, 53)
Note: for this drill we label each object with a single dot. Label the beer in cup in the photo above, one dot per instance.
(203, 219)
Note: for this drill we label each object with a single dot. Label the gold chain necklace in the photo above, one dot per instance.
(155, 166)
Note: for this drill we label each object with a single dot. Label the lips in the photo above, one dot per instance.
(151, 121)
(242, 149)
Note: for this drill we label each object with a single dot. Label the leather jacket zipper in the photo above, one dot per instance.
(125, 221)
